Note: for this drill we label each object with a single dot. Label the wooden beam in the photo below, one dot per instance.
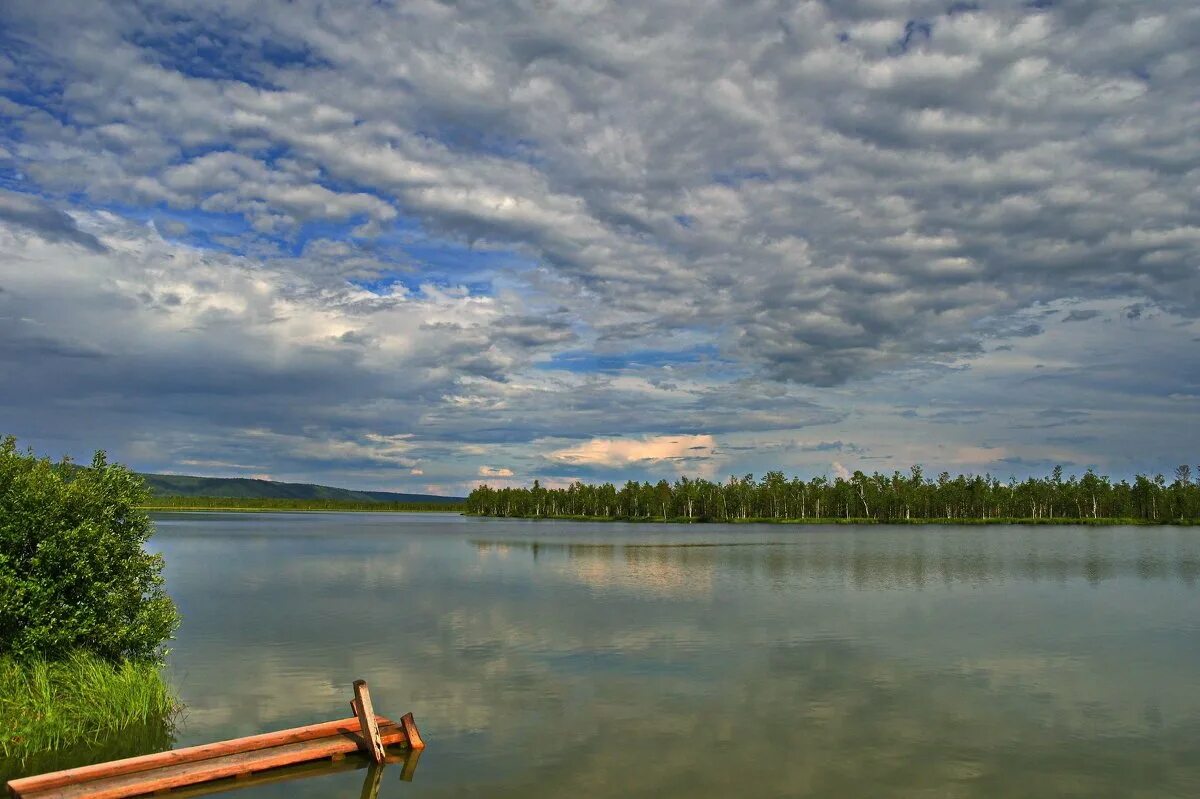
(313, 768)
(229, 765)
(366, 718)
(189, 754)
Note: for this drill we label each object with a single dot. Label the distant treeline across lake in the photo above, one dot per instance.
(188, 492)
(894, 498)
(277, 503)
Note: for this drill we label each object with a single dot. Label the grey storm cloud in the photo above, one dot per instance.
(827, 195)
(51, 224)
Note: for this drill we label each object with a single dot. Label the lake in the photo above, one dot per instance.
(547, 659)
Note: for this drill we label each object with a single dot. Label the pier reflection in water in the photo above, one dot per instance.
(549, 660)
(401, 762)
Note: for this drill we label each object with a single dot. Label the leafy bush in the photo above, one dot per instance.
(74, 574)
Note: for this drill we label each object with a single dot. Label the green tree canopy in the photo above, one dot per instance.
(874, 497)
(74, 572)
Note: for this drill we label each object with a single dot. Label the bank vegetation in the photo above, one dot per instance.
(289, 504)
(84, 614)
(872, 498)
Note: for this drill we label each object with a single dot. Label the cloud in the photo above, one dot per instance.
(613, 452)
(493, 471)
(982, 455)
(911, 231)
(486, 227)
(43, 220)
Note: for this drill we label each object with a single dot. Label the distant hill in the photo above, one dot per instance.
(178, 485)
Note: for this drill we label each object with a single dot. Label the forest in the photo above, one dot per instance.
(160, 503)
(894, 498)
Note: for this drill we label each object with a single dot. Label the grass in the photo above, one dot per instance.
(252, 504)
(47, 706)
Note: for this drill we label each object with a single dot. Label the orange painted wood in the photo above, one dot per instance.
(411, 731)
(176, 774)
(188, 754)
(313, 768)
(366, 717)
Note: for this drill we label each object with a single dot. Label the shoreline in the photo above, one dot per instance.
(996, 522)
(267, 509)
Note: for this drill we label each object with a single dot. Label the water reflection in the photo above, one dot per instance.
(905, 561)
(545, 660)
(136, 739)
(403, 761)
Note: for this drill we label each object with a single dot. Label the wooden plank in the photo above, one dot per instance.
(313, 768)
(188, 754)
(411, 731)
(366, 718)
(228, 765)
(300, 771)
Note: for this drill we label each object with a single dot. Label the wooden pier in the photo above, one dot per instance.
(239, 759)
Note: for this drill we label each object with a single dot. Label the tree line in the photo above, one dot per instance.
(876, 497)
(291, 504)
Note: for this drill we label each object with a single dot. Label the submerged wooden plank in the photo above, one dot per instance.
(188, 754)
(214, 768)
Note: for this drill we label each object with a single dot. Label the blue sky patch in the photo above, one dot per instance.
(915, 32)
(586, 361)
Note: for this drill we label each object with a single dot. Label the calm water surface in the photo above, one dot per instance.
(578, 660)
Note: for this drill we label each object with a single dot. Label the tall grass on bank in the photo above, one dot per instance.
(80, 700)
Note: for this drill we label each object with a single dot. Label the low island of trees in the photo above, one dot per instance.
(83, 611)
(873, 498)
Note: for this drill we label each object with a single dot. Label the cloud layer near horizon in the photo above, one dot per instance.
(414, 245)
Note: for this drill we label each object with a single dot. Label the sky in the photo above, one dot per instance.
(420, 245)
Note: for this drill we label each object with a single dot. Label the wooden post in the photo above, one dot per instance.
(411, 732)
(366, 720)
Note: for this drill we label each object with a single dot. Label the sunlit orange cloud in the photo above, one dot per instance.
(516, 482)
(624, 451)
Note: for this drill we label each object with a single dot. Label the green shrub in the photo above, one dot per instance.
(74, 574)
